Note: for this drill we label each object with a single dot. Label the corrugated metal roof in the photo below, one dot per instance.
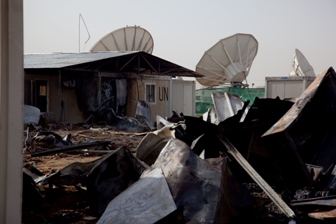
(61, 60)
(107, 61)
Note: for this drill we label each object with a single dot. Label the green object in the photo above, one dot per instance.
(204, 100)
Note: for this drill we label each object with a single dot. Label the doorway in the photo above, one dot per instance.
(41, 94)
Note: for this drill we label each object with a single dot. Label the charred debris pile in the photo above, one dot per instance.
(270, 162)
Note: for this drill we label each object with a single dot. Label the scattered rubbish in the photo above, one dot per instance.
(269, 162)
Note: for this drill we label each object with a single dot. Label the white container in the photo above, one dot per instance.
(286, 87)
(184, 95)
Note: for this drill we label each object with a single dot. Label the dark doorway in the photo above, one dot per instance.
(41, 95)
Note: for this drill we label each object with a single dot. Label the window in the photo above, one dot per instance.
(43, 90)
(150, 93)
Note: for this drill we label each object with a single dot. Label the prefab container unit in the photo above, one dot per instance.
(169, 95)
(184, 97)
(155, 91)
(286, 87)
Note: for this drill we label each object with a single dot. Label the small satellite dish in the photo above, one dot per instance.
(129, 38)
(301, 66)
(228, 61)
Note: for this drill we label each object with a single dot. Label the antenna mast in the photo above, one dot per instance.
(81, 17)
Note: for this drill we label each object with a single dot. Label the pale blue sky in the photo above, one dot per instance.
(183, 30)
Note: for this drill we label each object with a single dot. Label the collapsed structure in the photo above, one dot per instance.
(274, 163)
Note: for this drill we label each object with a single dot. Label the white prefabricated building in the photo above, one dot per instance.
(286, 87)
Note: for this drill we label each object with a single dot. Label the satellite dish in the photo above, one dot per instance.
(301, 66)
(129, 38)
(228, 61)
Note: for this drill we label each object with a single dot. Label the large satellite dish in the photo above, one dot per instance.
(129, 38)
(301, 66)
(228, 61)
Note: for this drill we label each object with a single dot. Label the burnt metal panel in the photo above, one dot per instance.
(300, 136)
(272, 194)
(193, 182)
(234, 201)
(113, 174)
(146, 201)
(293, 114)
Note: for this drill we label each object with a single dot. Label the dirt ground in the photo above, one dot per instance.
(67, 204)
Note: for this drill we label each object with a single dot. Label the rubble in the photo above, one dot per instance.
(269, 162)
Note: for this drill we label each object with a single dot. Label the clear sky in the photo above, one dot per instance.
(183, 30)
